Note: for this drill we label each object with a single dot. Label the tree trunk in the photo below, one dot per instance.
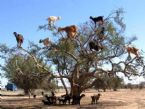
(75, 91)
(75, 87)
(26, 91)
(64, 85)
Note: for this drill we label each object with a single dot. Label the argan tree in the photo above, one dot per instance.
(75, 62)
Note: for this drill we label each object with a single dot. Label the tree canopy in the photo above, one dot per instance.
(76, 62)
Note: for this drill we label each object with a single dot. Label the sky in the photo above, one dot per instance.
(24, 16)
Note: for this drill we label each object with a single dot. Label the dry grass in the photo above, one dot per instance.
(122, 99)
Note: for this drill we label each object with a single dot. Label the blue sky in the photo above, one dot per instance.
(24, 16)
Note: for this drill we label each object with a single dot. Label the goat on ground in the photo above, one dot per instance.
(64, 99)
(46, 102)
(95, 98)
(67, 97)
(34, 96)
(77, 99)
(61, 100)
(49, 100)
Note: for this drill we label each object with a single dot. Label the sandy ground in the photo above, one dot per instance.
(121, 99)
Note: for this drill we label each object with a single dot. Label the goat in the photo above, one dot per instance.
(45, 42)
(95, 98)
(42, 93)
(94, 46)
(19, 39)
(61, 100)
(64, 98)
(71, 31)
(50, 99)
(49, 102)
(77, 99)
(100, 33)
(132, 50)
(98, 19)
(34, 96)
(67, 97)
(46, 102)
(52, 19)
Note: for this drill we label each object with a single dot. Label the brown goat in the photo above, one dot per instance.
(46, 41)
(19, 39)
(132, 50)
(71, 31)
(95, 98)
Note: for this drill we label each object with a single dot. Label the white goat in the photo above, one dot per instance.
(52, 19)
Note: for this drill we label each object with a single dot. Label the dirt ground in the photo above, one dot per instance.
(121, 99)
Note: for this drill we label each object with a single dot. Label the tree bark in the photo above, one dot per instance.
(75, 86)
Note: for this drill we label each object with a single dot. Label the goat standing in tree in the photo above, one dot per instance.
(71, 31)
(98, 20)
(52, 19)
(132, 50)
(100, 32)
(19, 39)
(94, 46)
(45, 42)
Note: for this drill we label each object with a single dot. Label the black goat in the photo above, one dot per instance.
(64, 99)
(61, 100)
(94, 46)
(77, 99)
(67, 97)
(34, 96)
(98, 19)
(46, 102)
(42, 93)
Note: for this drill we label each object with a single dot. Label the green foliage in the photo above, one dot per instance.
(106, 82)
(22, 71)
